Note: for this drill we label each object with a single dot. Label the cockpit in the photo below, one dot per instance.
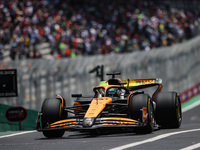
(110, 92)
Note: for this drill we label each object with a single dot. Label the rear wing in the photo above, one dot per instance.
(142, 83)
(137, 84)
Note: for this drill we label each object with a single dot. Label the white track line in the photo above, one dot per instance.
(20, 133)
(195, 104)
(191, 147)
(152, 139)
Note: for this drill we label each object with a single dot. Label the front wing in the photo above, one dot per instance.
(106, 122)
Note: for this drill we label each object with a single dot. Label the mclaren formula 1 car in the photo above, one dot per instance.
(115, 103)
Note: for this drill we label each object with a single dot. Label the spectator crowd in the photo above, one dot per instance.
(89, 27)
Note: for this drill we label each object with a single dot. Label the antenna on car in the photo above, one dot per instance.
(113, 74)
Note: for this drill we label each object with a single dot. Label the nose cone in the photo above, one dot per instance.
(88, 122)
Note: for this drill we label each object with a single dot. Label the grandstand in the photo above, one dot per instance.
(181, 4)
(141, 39)
(34, 29)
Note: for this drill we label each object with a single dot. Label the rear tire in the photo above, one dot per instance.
(137, 102)
(51, 112)
(168, 112)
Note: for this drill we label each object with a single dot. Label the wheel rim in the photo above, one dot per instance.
(151, 113)
(178, 109)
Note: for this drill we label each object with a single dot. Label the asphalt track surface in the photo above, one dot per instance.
(187, 137)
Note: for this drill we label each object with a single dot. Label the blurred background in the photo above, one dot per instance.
(54, 44)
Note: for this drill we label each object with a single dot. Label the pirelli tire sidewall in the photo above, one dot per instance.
(168, 113)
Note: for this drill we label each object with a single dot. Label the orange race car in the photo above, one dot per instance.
(115, 103)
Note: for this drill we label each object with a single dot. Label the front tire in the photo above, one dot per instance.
(138, 102)
(51, 112)
(168, 110)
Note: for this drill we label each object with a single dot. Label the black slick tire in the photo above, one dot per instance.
(136, 104)
(168, 112)
(51, 112)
